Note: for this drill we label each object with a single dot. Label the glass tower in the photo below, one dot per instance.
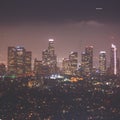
(113, 60)
(102, 62)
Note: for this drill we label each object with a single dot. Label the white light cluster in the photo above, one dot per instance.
(102, 52)
(115, 58)
(51, 40)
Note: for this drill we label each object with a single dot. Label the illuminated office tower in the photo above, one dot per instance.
(37, 66)
(12, 59)
(45, 57)
(113, 60)
(20, 60)
(85, 64)
(73, 57)
(66, 66)
(28, 59)
(52, 59)
(102, 62)
(51, 48)
(49, 58)
(89, 53)
(40, 68)
(87, 60)
(2, 69)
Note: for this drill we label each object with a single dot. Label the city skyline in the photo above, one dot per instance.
(59, 61)
(20, 62)
(89, 50)
(84, 23)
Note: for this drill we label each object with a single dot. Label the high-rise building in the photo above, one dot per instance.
(66, 66)
(102, 62)
(12, 59)
(41, 69)
(2, 69)
(37, 66)
(113, 60)
(28, 59)
(49, 58)
(73, 57)
(87, 60)
(19, 60)
(89, 53)
(51, 48)
(84, 65)
(45, 57)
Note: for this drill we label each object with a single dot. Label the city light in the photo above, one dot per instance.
(115, 58)
(51, 40)
(102, 51)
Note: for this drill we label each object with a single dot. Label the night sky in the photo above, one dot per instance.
(73, 24)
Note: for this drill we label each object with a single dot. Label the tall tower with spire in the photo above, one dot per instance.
(113, 59)
(49, 57)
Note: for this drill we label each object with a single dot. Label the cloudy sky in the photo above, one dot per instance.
(73, 24)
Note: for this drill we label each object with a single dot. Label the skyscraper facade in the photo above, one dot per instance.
(102, 62)
(113, 59)
(2, 69)
(51, 48)
(89, 53)
(49, 58)
(19, 60)
(66, 66)
(87, 60)
(28, 59)
(73, 57)
(84, 65)
(45, 58)
(11, 59)
(37, 66)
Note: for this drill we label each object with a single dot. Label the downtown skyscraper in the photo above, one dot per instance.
(73, 57)
(19, 60)
(66, 66)
(87, 60)
(70, 65)
(12, 59)
(102, 62)
(49, 57)
(113, 60)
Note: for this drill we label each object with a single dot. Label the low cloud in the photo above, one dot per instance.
(94, 23)
(90, 23)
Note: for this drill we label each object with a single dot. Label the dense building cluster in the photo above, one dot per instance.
(48, 64)
(20, 62)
